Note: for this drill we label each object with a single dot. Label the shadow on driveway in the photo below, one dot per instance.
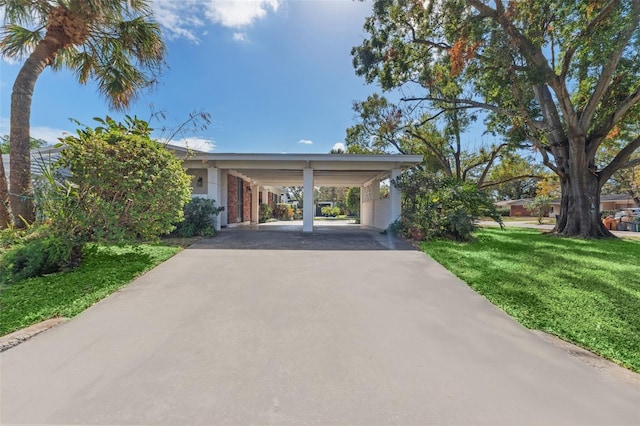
(323, 238)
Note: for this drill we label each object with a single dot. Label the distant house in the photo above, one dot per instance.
(607, 202)
(516, 207)
(39, 158)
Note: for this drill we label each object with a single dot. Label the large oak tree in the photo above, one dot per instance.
(561, 74)
(113, 42)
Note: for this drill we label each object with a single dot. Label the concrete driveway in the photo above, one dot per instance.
(374, 333)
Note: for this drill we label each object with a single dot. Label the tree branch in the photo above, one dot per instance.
(631, 163)
(492, 157)
(599, 134)
(509, 179)
(568, 56)
(619, 161)
(468, 104)
(532, 53)
(441, 158)
(609, 68)
(547, 162)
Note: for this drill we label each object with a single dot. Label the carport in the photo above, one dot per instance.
(214, 174)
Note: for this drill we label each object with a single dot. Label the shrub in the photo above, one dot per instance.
(353, 201)
(37, 257)
(504, 211)
(540, 207)
(283, 211)
(122, 185)
(330, 211)
(440, 207)
(199, 214)
(266, 213)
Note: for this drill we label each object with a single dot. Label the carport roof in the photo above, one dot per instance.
(287, 169)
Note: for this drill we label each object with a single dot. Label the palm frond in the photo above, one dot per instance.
(143, 40)
(26, 12)
(117, 44)
(17, 41)
(120, 83)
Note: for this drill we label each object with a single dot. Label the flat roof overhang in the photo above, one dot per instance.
(287, 169)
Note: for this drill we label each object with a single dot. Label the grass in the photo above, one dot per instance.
(531, 219)
(339, 217)
(66, 294)
(584, 291)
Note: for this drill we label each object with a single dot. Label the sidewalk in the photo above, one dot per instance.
(546, 227)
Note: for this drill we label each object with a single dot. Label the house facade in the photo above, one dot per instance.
(241, 182)
(607, 202)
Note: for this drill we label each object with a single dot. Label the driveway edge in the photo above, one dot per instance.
(590, 358)
(13, 339)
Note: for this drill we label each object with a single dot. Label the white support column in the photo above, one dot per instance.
(265, 196)
(222, 202)
(395, 202)
(255, 206)
(214, 189)
(307, 214)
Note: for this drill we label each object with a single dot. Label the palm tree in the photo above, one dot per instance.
(114, 43)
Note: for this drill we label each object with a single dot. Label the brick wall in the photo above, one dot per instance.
(246, 207)
(232, 199)
(519, 211)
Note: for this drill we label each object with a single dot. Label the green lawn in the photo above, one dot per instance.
(66, 294)
(584, 291)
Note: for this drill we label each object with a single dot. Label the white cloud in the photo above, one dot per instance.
(238, 13)
(240, 37)
(48, 134)
(188, 18)
(305, 142)
(198, 144)
(339, 146)
(179, 19)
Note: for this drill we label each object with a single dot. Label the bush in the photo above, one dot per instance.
(504, 211)
(37, 257)
(122, 185)
(283, 211)
(266, 213)
(353, 201)
(199, 214)
(540, 207)
(440, 207)
(330, 211)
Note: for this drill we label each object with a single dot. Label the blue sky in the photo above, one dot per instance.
(276, 76)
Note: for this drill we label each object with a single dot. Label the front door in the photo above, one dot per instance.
(240, 200)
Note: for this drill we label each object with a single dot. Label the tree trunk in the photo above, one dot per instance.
(21, 195)
(580, 205)
(5, 212)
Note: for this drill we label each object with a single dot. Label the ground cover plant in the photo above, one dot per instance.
(584, 291)
(65, 294)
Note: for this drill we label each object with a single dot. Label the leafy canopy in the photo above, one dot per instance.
(122, 185)
(113, 42)
(558, 73)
